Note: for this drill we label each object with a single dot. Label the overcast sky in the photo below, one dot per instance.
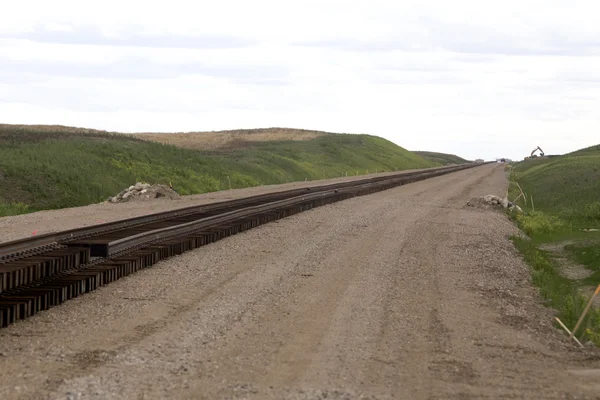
(475, 78)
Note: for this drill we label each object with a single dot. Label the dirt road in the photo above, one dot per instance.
(403, 294)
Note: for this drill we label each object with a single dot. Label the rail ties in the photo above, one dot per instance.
(22, 272)
(29, 301)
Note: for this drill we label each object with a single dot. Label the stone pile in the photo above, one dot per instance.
(491, 201)
(144, 192)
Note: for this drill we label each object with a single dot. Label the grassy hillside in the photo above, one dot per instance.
(441, 158)
(568, 185)
(566, 199)
(56, 167)
(592, 150)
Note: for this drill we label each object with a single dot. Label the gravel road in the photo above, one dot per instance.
(403, 294)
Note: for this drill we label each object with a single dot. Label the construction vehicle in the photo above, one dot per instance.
(536, 149)
(533, 155)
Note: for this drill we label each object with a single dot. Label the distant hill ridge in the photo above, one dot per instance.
(211, 140)
(441, 158)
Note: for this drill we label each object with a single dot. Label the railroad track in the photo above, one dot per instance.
(47, 270)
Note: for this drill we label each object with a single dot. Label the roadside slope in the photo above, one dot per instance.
(562, 218)
(49, 167)
(563, 183)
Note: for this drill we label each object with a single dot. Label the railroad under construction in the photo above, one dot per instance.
(46, 270)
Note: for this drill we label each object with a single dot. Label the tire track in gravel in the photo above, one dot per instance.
(288, 344)
(283, 345)
(106, 348)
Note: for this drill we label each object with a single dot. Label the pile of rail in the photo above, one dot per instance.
(43, 271)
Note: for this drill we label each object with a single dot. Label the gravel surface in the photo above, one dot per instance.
(404, 294)
(22, 226)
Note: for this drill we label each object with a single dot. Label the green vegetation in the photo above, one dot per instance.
(562, 199)
(568, 185)
(441, 158)
(587, 253)
(56, 167)
(588, 150)
(537, 223)
(561, 293)
(13, 209)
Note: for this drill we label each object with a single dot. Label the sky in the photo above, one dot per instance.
(481, 79)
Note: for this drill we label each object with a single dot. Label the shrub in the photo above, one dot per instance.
(591, 212)
(538, 223)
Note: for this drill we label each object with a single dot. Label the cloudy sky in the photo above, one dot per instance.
(476, 78)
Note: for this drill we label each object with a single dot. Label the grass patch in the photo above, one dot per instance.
(561, 293)
(14, 209)
(587, 253)
(538, 223)
(587, 215)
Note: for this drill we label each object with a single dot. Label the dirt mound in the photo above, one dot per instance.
(479, 202)
(491, 201)
(144, 192)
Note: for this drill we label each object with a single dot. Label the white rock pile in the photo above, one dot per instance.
(491, 201)
(144, 192)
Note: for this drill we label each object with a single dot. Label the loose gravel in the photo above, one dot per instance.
(403, 294)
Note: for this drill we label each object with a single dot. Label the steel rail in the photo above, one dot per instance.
(108, 248)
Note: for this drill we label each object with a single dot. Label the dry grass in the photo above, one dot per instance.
(230, 139)
(212, 140)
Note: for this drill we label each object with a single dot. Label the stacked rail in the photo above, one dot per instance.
(45, 271)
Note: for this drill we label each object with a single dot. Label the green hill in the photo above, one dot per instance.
(587, 151)
(568, 184)
(441, 158)
(566, 204)
(48, 167)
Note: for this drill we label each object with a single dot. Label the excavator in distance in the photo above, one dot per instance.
(533, 155)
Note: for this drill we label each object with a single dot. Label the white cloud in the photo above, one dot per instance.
(480, 79)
